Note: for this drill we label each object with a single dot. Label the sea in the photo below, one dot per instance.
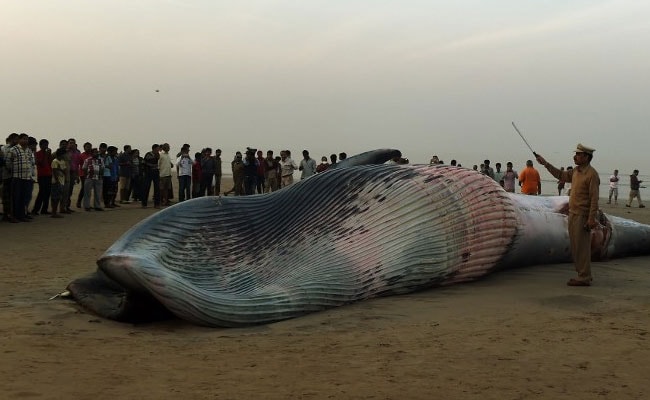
(549, 186)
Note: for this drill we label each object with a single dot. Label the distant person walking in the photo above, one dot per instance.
(583, 207)
(635, 185)
(613, 188)
(529, 180)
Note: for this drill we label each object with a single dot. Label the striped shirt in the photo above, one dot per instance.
(21, 162)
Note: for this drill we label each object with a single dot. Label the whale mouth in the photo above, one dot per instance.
(103, 296)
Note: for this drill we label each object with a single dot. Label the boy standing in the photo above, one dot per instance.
(613, 188)
(59, 166)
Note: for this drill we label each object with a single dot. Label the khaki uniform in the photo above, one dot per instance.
(583, 203)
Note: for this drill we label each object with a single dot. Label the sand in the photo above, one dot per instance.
(519, 334)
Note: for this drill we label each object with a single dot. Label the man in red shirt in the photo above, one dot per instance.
(43, 159)
(83, 157)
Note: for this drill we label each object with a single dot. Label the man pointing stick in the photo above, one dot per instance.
(583, 206)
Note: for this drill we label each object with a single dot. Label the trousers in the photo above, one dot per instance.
(580, 240)
(633, 194)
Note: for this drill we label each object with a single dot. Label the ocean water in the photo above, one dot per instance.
(549, 187)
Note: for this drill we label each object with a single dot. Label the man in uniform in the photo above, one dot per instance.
(583, 206)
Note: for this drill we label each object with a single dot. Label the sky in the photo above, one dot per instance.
(426, 77)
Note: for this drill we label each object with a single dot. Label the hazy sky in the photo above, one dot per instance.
(427, 77)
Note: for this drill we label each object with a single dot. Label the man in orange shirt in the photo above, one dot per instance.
(529, 180)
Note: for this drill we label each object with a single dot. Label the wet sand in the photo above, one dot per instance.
(519, 334)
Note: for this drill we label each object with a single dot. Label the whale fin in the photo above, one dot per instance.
(378, 156)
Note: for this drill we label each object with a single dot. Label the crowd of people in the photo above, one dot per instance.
(108, 178)
(530, 180)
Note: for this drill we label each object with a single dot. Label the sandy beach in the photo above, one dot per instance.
(519, 334)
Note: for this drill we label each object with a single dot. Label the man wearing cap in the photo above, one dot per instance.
(583, 206)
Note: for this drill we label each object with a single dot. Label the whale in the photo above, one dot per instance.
(362, 230)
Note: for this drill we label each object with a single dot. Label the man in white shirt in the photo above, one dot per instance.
(307, 165)
(613, 188)
(498, 174)
(287, 166)
(184, 173)
(165, 169)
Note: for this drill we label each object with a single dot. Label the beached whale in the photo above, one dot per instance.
(351, 233)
